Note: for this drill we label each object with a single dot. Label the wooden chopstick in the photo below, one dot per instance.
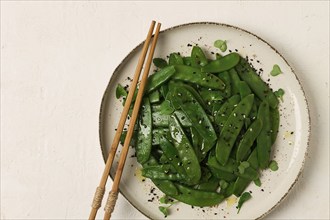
(101, 188)
(113, 195)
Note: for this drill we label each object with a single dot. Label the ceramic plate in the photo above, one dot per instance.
(289, 150)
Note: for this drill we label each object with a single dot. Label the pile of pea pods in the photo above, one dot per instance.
(206, 127)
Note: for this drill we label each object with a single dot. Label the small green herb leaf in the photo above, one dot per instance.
(221, 44)
(159, 62)
(164, 210)
(120, 91)
(257, 182)
(279, 94)
(164, 199)
(273, 165)
(276, 70)
(244, 197)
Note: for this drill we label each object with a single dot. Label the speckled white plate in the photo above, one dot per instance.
(289, 150)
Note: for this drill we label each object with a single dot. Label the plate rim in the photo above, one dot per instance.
(105, 94)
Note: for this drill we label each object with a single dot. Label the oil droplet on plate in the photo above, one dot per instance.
(231, 201)
(138, 174)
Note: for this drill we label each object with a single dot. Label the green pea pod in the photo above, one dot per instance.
(244, 89)
(196, 115)
(225, 77)
(167, 187)
(157, 173)
(144, 140)
(166, 166)
(225, 63)
(157, 133)
(211, 185)
(196, 143)
(232, 128)
(257, 85)
(232, 168)
(154, 96)
(194, 75)
(175, 59)
(185, 150)
(172, 155)
(195, 94)
(264, 141)
(197, 197)
(226, 109)
(241, 183)
(159, 78)
(198, 57)
(164, 185)
(211, 95)
(187, 61)
(275, 121)
(222, 174)
(163, 90)
(235, 80)
(229, 167)
(246, 142)
(160, 119)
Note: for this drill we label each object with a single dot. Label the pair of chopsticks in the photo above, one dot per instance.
(100, 190)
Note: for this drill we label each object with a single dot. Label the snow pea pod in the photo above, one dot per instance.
(225, 77)
(246, 142)
(275, 121)
(157, 133)
(154, 96)
(211, 95)
(232, 168)
(241, 183)
(235, 80)
(232, 128)
(194, 75)
(185, 150)
(196, 143)
(264, 141)
(197, 197)
(172, 155)
(159, 78)
(222, 174)
(144, 137)
(163, 90)
(211, 185)
(243, 89)
(160, 119)
(196, 115)
(157, 173)
(175, 59)
(222, 115)
(187, 61)
(196, 95)
(225, 63)
(164, 185)
(198, 57)
(257, 85)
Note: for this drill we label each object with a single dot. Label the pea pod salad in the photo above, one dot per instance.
(206, 127)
